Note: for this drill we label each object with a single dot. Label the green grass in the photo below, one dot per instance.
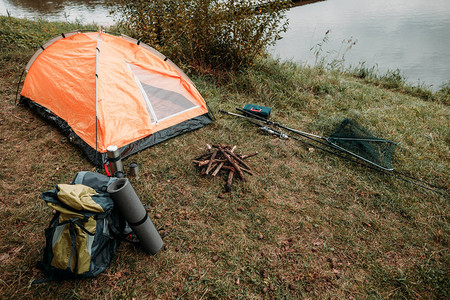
(307, 225)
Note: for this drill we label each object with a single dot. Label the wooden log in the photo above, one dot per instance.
(213, 165)
(219, 167)
(245, 156)
(203, 156)
(221, 164)
(229, 168)
(238, 159)
(211, 161)
(233, 163)
(202, 171)
(232, 168)
(202, 163)
(229, 181)
(247, 171)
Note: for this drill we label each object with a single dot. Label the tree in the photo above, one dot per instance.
(206, 34)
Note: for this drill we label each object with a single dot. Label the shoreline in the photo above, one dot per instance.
(304, 2)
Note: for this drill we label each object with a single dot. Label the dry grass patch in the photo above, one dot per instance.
(307, 225)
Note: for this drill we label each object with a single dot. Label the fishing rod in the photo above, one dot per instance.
(265, 129)
(318, 139)
(281, 135)
(323, 140)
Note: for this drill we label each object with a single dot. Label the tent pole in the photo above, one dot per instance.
(97, 54)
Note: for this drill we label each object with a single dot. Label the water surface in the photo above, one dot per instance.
(411, 35)
(83, 11)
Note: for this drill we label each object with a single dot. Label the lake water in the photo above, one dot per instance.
(411, 35)
(83, 11)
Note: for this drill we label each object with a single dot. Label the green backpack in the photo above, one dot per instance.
(85, 231)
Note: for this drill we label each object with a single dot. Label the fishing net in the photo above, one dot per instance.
(357, 141)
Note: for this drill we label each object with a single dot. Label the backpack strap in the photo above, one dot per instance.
(73, 237)
(73, 252)
(53, 220)
(73, 221)
(42, 280)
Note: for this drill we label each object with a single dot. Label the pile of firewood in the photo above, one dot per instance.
(222, 158)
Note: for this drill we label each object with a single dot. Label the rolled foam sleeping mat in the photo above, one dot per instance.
(134, 212)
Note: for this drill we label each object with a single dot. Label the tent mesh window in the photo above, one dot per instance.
(164, 102)
(353, 138)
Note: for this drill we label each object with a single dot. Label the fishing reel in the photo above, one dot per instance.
(270, 131)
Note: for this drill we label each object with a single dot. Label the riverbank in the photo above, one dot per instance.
(304, 2)
(306, 225)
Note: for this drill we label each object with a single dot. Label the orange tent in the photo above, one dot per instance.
(104, 90)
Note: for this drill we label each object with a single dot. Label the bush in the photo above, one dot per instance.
(206, 34)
